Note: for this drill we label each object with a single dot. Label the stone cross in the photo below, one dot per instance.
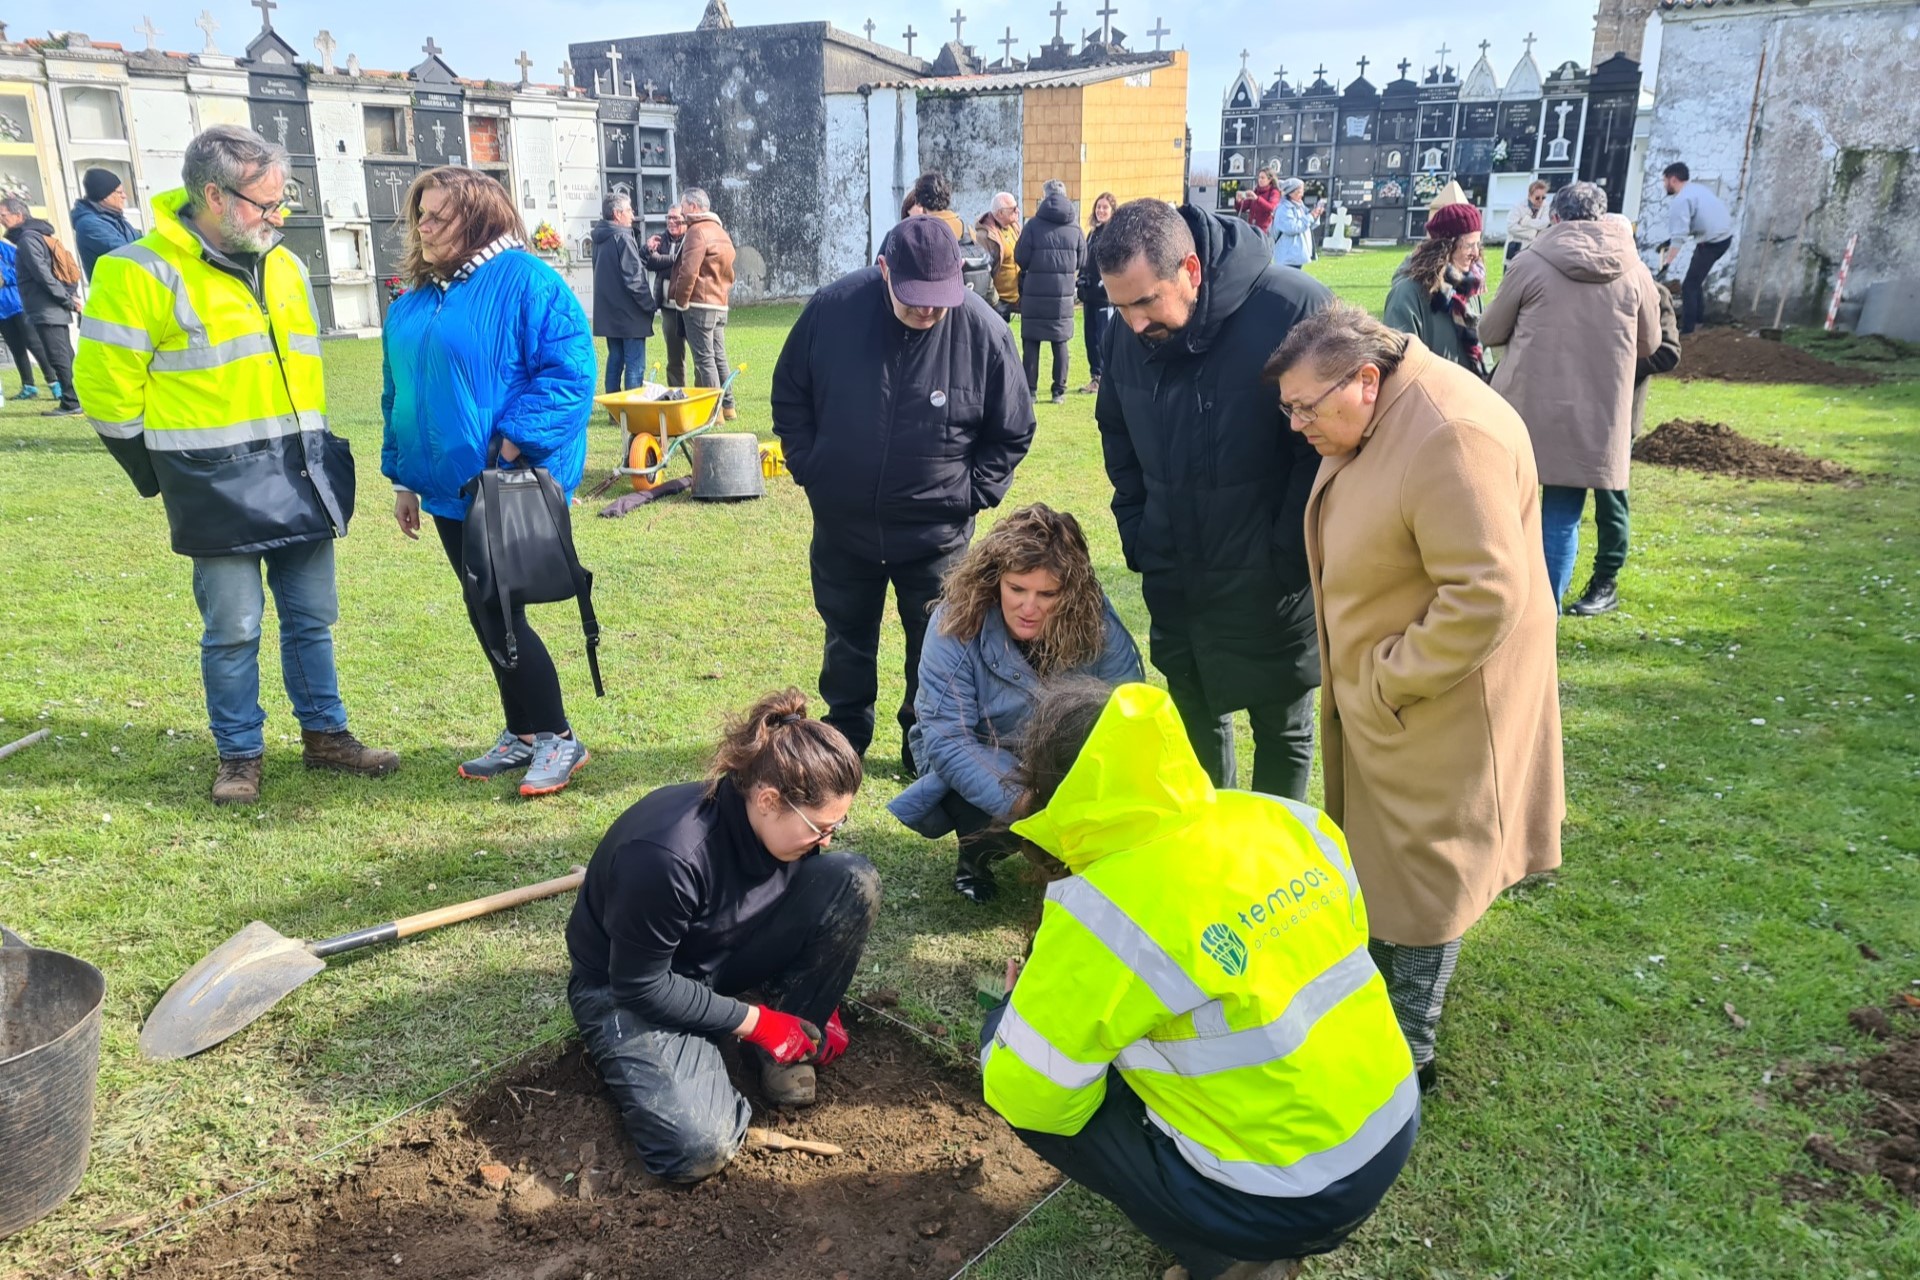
(353, 65)
(1006, 44)
(1244, 55)
(266, 16)
(1059, 14)
(1239, 132)
(958, 20)
(1529, 42)
(326, 44)
(1280, 75)
(1320, 72)
(649, 86)
(147, 29)
(1106, 25)
(431, 49)
(1159, 32)
(1338, 225)
(1484, 46)
(566, 74)
(1404, 64)
(1363, 68)
(613, 80)
(908, 36)
(633, 90)
(393, 183)
(1444, 51)
(523, 62)
(868, 27)
(207, 25)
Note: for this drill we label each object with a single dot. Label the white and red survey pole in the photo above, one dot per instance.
(1840, 285)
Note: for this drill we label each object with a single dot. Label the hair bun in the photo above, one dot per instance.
(789, 718)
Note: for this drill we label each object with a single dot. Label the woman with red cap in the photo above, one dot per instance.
(1436, 294)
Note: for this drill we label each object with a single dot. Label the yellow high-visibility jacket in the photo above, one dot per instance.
(1211, 946)
(202, 375)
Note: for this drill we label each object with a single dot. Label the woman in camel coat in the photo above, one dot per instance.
(1439, 711)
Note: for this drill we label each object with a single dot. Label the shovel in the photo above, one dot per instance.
(257, 967)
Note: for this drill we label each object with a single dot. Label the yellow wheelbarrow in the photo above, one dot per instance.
(658, 421)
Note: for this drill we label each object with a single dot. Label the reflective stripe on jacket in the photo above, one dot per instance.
(204, 379)
(1211, 945)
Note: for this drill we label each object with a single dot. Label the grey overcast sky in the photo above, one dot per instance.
(481, 38)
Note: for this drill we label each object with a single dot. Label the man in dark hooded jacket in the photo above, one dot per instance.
(47, 302)
(1050, 253)
(623, 304)
(99, 219)
(899, 403)
(1209, 483)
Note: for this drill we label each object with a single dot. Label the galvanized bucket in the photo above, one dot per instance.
(49, 1052)
(726, 467)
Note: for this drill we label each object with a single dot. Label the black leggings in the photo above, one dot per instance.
(530, 693)
(24, 339)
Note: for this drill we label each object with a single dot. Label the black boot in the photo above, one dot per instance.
(1600, 597)
(1429, 1075)
(973, 873)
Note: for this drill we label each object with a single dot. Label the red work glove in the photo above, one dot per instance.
(786, 1039)
(836, 1041)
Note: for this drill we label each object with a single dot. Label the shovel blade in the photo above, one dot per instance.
(235, 983)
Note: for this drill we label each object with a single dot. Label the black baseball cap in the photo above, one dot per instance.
(923, 263)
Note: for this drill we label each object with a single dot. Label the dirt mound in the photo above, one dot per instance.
(1717, 449)
(1888, 1137)
(1734, 355)
(930, 1177)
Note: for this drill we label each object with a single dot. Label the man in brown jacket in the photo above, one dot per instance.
(1576, 314)
(701, 290)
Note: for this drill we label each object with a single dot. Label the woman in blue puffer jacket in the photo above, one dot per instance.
(1022, 607)
(489, 345)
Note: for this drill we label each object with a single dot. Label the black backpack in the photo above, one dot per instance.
(517, 549)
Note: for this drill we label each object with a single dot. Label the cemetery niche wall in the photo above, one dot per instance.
(1384, 152)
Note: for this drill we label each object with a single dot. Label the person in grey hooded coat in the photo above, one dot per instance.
(1050, 252)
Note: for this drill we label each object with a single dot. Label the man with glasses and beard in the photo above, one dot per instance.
(1209, 485)
(199, 366)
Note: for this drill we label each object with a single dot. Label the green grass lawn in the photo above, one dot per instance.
(1742, 766)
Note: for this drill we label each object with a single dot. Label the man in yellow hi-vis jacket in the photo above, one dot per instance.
(199, 366)
(1199, 1033)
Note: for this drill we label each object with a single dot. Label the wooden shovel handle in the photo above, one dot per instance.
(407, 926)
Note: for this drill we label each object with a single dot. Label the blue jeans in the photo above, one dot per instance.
(626, 363)
(1094, 329)
(228, 591)
(1560, 511)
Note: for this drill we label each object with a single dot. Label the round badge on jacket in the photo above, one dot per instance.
(939, 399)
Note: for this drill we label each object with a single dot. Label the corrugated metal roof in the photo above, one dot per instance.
(1057, 78)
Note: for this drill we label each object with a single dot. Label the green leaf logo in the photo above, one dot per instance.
(1224, 945)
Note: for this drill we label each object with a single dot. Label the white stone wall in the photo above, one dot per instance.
(847, 227)
(340, 150)
(163, 125)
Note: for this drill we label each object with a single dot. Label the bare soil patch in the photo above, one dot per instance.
(930, 1176)
(1887, 1140)
(1717, 449)
(1734, 355)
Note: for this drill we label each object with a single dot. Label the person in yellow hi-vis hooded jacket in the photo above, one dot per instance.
(1198, 1034)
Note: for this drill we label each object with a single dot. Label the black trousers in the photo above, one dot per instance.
(1693, 287)
(1030, 359)
(850, 593)
(1610, 522)
(58, 340)
(23, 340)
(982, 843)
(530, 693)
(682, 1113)
(1121, 1156)
(1282, 739)
(1093, 330)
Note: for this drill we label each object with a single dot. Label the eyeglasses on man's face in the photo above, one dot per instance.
(275, 211)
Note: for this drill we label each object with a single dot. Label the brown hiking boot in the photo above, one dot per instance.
(238, 781)
(344, 753)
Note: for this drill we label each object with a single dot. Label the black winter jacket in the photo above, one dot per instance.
(44, 298)
(1209, 483)
(898, 435)
(1050, 252)
(1092, 289)
(623, 303)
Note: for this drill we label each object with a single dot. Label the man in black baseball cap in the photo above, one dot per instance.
(903, 409)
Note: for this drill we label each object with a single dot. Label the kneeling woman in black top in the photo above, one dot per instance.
(702, 892)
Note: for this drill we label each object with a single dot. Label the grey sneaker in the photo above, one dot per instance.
(555, 760)
(506, 755)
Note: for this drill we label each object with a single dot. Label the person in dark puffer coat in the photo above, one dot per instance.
(1050, 253)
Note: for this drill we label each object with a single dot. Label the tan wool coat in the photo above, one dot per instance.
(1575, 312)
(1440, 701)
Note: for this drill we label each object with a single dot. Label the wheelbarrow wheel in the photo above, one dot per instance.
(643, 451)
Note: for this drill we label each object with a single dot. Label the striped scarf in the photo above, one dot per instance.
(486, 253)
(1456, 294)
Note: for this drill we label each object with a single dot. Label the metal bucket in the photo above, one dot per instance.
(49, 1053)
(726, 467)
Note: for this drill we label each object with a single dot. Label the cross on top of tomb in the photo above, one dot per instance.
(868, 28)
(206, 24)
(613, 76)
(523, 62)
(566, 74)
(1363, 68)
(1320, 72)
(1444, 51)
(1403, 65)
(959, 20)
(1280, 75)
(1058, 13)
(1159, 32)
(325, 43)
(908, 36)
(649, 86)
(1106, 24)
(1244, 55)
(431, 49)
(1529, 42)
(1484, 46)
(1006, 44)
(266, 16)
(147, 29)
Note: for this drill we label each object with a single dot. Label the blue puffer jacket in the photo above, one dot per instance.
(9, 283)
(505, 352)
(975, 695)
